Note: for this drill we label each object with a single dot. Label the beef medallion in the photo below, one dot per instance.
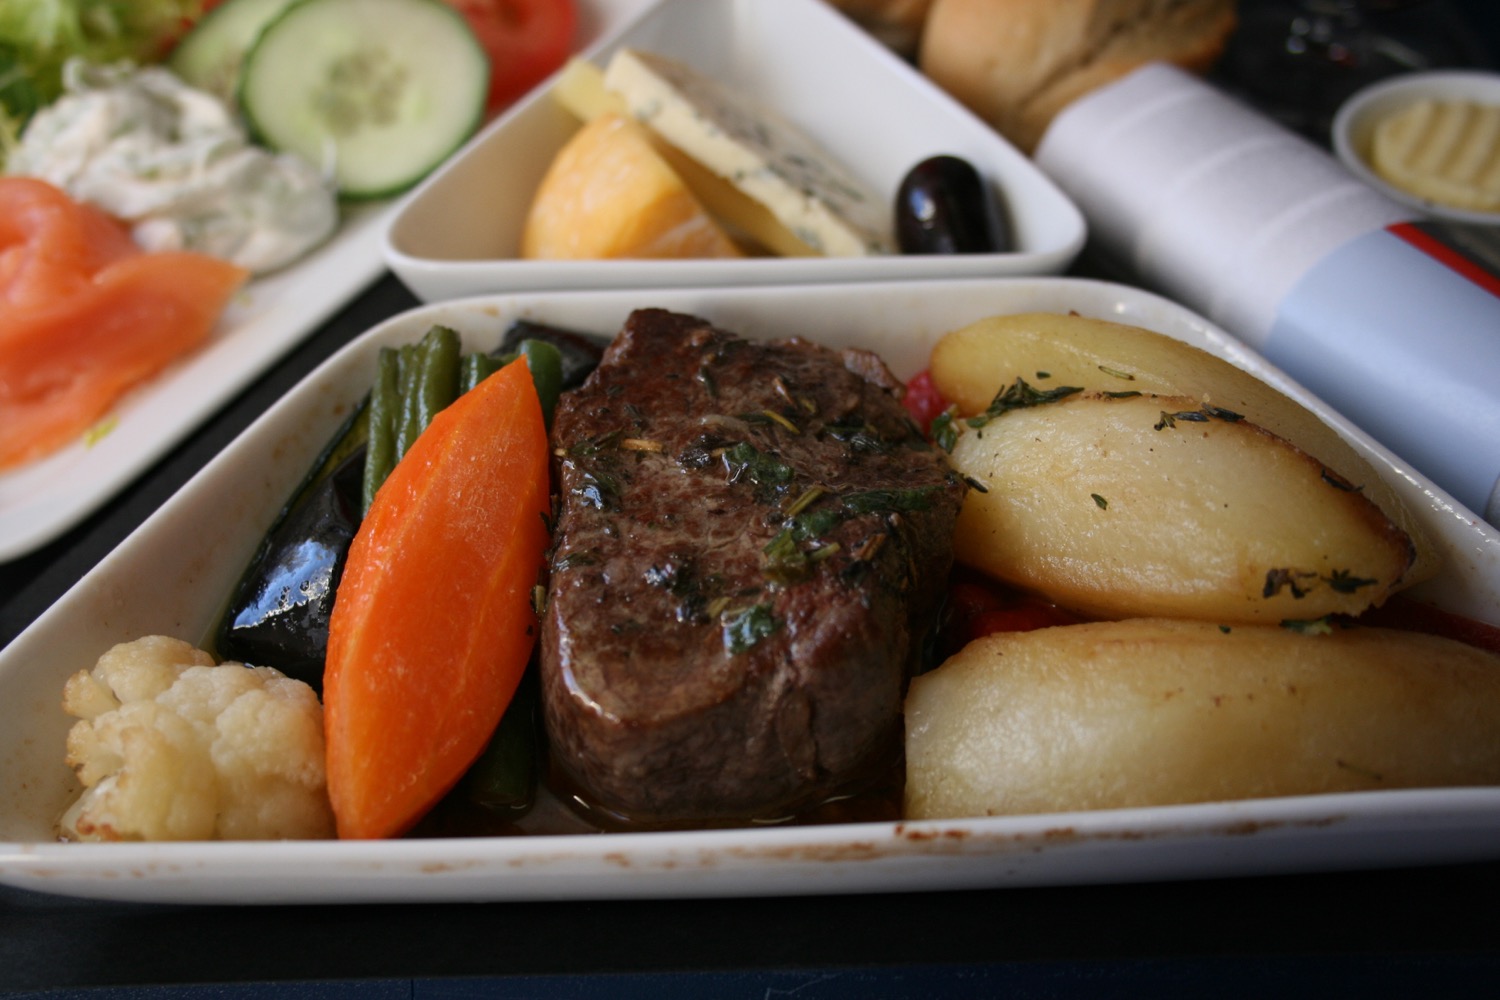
(752, 543)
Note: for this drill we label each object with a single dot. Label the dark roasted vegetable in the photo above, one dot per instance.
(278, 616)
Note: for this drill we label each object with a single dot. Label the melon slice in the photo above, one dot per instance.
(580, 89)
(609, 194)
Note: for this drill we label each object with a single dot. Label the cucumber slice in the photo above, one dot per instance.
(209, 57)
(375, 92)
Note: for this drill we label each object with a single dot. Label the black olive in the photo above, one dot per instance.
(944, 206)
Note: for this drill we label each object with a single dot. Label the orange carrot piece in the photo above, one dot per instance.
(433, 623)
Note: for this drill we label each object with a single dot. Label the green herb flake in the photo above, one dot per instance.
(784, 561)
(594, 445)
(1308, 626)
(598, 490)
(100, 431)
(859, 437)
(1190, 416)
(816, 523)
(745, 627)
(1020, 395)
(1345, 582)
(1297, 581)
(943, 432)
(809, 497)
(890, 501)
(573, 559)
(745, 461)
(1100, 502)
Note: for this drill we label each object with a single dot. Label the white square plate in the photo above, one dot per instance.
(172, 575)
(459, 233)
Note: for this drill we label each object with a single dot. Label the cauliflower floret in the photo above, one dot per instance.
(171, 747)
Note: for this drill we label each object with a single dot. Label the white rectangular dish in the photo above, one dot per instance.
(42, 499)
(458, 234)
(173, 574)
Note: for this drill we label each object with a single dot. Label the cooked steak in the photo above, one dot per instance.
(751, 544)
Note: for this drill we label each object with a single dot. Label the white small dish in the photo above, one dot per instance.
(459, 233)
(172, 575)
(1354, 128)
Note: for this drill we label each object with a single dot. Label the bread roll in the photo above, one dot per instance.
(1017, 63)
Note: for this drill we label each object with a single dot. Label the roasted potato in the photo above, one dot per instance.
(1154, 506)
(1153, 712)
(969, 366)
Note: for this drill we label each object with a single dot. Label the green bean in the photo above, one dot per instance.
(437, 381)
(475, 368)
(405, 426)
(504, 777)
(545, 362)
(429, 383)
(384, 407)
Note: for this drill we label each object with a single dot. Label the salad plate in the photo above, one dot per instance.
(173, 574)
(42, 499)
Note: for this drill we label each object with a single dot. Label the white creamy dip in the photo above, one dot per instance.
(177, 166)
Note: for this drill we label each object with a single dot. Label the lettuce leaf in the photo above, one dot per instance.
(38, 36)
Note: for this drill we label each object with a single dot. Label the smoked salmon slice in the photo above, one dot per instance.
(85, 314)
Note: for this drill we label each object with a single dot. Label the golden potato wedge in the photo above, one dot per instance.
(1154, 712)
(1149, 506)
(970, 365)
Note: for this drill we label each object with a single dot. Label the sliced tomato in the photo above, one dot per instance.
(526, 41)
(923, 400)
(978, 606)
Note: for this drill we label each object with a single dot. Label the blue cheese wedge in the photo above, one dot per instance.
(769, 160)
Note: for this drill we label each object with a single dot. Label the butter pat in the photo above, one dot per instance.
(766, 158)
(1446, 152)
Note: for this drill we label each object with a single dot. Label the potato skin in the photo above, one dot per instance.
(1154, 712)
(971, 364)
(1145, 506)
